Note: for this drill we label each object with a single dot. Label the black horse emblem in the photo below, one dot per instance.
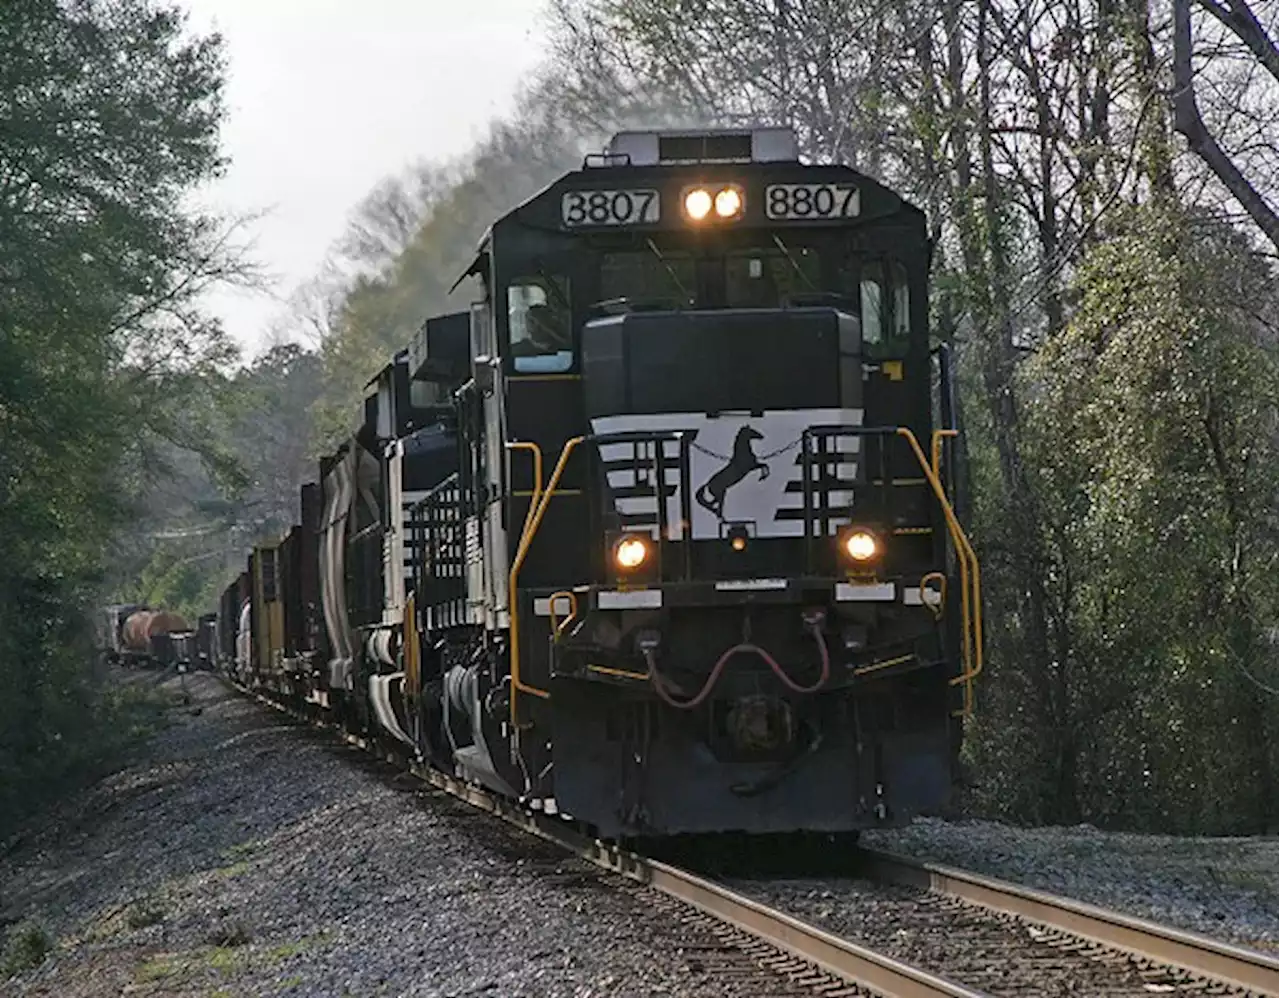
(744, 461)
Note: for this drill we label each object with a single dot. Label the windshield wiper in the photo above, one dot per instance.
(670, 270)
(554, 288)
(777, 241)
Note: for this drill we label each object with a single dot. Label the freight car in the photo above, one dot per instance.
(136, 635)
(661, 532)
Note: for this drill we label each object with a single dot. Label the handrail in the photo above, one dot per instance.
(935, 449)
(558, 626)
(532, 522)
(534, 449)
(942, 601)
(971, 615)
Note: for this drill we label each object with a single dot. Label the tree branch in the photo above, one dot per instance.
(1240, 20)
(1187, 121)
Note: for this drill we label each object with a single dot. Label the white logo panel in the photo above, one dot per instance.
(743, 469)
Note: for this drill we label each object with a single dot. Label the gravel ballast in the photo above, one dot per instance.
(247, 855)
(1221, 887)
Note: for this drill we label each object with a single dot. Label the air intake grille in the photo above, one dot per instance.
(731, 148)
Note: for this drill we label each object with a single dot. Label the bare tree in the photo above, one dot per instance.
(1188, 121)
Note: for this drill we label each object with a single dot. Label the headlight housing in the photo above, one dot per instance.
(713, 202)
(860, 546)
(630, 553)
(697, 203)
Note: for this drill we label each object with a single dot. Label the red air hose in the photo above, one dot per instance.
(723, 660)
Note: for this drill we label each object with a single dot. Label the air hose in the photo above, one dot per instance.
(723, 660)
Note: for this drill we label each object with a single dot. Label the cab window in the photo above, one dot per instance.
(667, 277)
(540, 323)
(765, 278)
(872, 303)
(901, 302)
(884, 303)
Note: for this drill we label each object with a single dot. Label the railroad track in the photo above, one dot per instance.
(1029, 942)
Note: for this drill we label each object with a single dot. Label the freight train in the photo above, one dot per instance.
(660, 534)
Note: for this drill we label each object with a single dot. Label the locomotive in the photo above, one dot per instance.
(660, 534)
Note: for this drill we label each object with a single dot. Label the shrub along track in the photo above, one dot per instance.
(920, 929)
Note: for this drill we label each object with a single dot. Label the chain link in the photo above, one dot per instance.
(763, 457)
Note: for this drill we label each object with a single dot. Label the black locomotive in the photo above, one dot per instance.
(661, 534)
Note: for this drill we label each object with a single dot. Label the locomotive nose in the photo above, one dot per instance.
(721, 361)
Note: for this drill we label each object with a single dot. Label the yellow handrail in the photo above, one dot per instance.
(942, 595)
(412, 648)
(935, 449)
(557, 627)
(537, 476)
(970, 603)
(532, 522)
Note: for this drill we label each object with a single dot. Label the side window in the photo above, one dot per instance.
(871, 297)
(541, 325)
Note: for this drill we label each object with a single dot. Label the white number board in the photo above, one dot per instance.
(632, 207)
(811, 201)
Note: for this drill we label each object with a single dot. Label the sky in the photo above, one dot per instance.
(327, 97)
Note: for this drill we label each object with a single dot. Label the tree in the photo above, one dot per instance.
(109, 116)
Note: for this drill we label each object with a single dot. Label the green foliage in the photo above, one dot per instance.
(1150, 436)
(111, 116)
(25, 947)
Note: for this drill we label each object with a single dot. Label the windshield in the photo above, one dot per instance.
(648, 275)
(774, 274)
(768, 277)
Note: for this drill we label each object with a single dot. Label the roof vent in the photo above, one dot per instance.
(670, 148)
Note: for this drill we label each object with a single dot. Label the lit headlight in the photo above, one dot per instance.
(630, 553)
(697, 204)
(860, 546)
(728, 203)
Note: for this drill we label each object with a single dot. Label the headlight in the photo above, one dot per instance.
(697, 204)
(630, 553)
(728, 203)
(860, 546)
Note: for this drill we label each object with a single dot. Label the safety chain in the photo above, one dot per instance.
(763, 457)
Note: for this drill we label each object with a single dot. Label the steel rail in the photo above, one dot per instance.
(840, 958)
(1200, 955)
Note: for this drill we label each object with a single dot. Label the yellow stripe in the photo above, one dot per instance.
(526, 493)
(913, 530)
(618, 672)
(877, 666)
(544, 377)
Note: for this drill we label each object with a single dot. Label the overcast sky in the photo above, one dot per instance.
(326, 97)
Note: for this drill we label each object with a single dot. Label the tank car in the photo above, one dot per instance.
(661, 532)
(137, 635)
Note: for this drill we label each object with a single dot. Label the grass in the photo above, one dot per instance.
(161, 968)
(143, 914)
(234, 870)
(229, 956)
(25, 947)
(242, 850)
